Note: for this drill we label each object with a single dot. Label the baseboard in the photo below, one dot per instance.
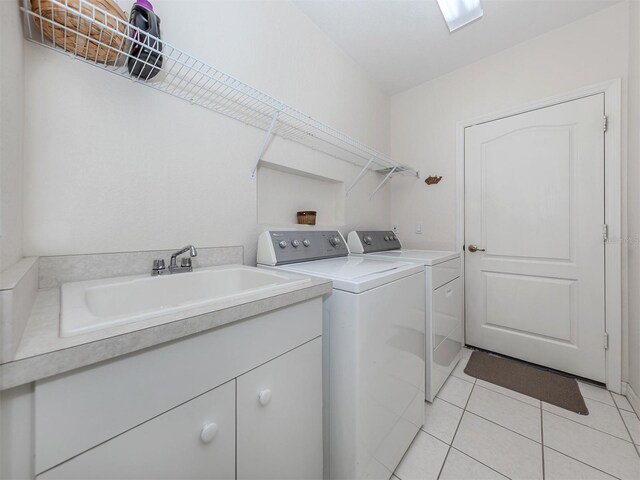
(633, 398)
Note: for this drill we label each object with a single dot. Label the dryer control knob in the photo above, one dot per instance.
(367, 239)
(283, 243)
(386, 239)
(295, 243)
(335, 241)
(306, 242)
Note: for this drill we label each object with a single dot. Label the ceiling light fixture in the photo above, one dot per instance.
(458, 13)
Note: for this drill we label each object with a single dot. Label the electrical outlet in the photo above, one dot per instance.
(418, 228)
(395, 229)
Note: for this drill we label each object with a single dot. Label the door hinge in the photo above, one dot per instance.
(605, 123)
(606, 341)
(605, 232)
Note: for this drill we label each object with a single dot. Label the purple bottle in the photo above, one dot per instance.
(145, 60)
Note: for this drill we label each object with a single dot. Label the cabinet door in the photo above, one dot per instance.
(279, 406)
(447, 310)
(195, 440)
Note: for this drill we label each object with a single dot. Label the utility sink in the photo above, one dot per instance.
(97, 304)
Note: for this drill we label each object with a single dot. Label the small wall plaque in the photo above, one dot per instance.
(433, 180)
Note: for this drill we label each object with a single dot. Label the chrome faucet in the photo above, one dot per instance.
(185, 264)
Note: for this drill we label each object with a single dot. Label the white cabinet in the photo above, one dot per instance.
(110, 398)
(444, 323)
(170, 412)
(195, 440)
(280, 417)
(446, 310)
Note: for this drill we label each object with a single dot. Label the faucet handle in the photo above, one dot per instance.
(186, 262)
(158, 264)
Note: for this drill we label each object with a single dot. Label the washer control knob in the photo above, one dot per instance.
(283, 243)
(367, 239)
(295, 243)
(386, 238)
(306, 242)
(394, 238)
(335, 240)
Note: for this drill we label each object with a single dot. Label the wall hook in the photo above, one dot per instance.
(433, 180)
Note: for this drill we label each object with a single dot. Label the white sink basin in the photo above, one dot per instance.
(97, 304)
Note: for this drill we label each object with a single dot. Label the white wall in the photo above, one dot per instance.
(114, 166)
(11, 108)
(283, 192)
(423, 120)
(634, 196)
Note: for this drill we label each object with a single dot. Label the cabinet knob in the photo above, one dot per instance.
(208, 432)
(264, 397)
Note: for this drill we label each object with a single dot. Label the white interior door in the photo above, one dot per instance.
(534, 208)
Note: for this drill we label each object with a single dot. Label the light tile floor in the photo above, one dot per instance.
(475, 430)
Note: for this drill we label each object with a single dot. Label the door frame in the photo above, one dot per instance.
(613, 207)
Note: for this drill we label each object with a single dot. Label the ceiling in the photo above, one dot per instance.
(403, 43)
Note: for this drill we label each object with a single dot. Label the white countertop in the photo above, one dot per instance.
(43, 353)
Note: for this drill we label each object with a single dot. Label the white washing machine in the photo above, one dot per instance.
(373, 350)
(444, 302)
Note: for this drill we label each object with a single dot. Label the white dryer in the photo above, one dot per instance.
(373, 350)
(444, 302)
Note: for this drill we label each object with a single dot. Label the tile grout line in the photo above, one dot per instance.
(502, 426)
(456, 432)
(481, 463)
(615, 405)
(450, 403)
(625, 426)
(405, 454)
(433, 436)
(593, 428)
(464, 410)
(542, 440)
(540, 443)
(542, 410)
(630, 411)
(619, 407)
(625, 410)
(581, 462)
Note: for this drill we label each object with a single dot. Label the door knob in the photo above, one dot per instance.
(473, 249)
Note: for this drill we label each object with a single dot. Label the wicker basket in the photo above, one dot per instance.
(105, 45)
(307, 218)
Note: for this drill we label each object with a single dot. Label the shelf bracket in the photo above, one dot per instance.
(265, 143)
(360, 175)
(382, 182)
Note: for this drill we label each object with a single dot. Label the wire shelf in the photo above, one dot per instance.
(100, 38)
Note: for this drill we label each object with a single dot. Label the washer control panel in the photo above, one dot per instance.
(292, 246)
(361, 241)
